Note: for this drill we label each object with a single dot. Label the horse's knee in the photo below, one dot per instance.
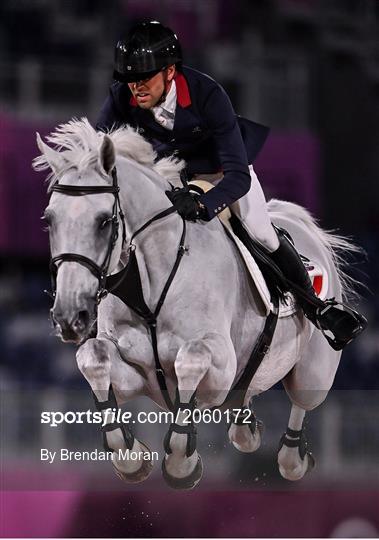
(193, 359)
(93, 359)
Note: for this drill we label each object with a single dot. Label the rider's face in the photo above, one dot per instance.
(149, 91)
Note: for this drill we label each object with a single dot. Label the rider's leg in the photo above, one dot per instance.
(252, 211)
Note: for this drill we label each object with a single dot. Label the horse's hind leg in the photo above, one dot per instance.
(294, 459)
(199, 365)
(307, 386)
(245, 431)
(99, 360)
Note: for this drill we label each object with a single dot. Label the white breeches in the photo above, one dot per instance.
(252, 210)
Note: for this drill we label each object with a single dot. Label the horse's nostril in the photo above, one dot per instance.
(81, 321)
(52, 318)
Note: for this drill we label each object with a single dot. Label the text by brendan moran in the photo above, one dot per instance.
(95, 455)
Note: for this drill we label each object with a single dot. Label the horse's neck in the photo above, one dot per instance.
(142, 192)
(142, 197)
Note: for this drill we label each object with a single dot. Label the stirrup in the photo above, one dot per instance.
(339, 344)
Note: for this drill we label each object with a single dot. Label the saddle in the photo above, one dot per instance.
(264, 279)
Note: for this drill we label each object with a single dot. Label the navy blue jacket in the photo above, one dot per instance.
(207, 134)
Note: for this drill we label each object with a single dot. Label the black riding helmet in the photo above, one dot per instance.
(149, 48)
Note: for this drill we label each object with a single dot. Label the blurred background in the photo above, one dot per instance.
(309, 69)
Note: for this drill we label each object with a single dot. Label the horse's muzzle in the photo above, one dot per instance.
(73, 329)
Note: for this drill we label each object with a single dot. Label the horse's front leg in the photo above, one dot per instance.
(100, 363)
(245, 430)
(199, 363)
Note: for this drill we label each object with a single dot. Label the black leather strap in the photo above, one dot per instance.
(76, 257)
(133, 296)
(111, 403)
(191, 432)
(161, 215)
(236, 394)
(100, 272)
(158, 366)
(294, 433)
(197, 189)
(78, 191)
(188, 429)
(181, 251)
(299, 440)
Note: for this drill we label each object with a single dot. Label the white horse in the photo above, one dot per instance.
(211, 316)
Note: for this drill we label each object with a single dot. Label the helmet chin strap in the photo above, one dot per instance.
(166, 89)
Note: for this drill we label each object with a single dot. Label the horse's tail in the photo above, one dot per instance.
(336, 247)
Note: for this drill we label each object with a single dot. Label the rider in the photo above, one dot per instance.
(184, 112)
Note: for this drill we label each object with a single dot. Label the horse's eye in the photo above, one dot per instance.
(104, 222)
(47, 219)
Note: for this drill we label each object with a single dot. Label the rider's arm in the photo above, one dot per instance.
(220, 117)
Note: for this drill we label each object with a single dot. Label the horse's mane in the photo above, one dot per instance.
(79, 144)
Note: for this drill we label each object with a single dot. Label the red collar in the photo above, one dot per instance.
(182, 92)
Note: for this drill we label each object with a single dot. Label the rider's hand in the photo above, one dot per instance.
(187, 204)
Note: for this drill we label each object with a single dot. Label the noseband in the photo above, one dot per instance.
(100, 272)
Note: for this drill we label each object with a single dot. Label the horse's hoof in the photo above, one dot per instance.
(143, 472)
(258, 426)
(293, 475)
(189, 482)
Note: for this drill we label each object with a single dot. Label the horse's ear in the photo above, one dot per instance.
(107, 156)
(55, 160)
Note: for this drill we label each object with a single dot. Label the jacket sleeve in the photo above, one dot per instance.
(220, 118)
(109, 116)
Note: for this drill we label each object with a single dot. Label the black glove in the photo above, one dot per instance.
(187, 204)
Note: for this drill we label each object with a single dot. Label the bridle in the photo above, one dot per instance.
(100, 272)
(138, 304)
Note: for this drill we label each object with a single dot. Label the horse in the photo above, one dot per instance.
(108, 209)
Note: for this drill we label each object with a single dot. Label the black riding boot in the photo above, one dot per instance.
(345, 325)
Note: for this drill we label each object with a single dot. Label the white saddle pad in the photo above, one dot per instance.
(318, 274)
